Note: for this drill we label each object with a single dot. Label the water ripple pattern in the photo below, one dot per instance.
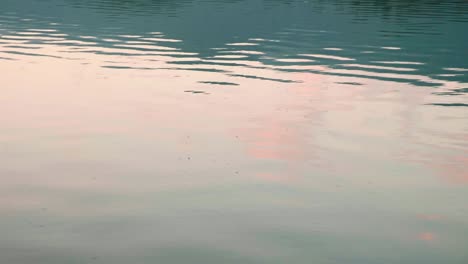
(391, 52)
(233, 131)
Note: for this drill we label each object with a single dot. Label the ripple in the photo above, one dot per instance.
(145, 47)
(264, 40)
(107, 118)
(230, 56)
(262, 78)
(250, 58)
(247, 52)
(294, 60)
(450, 104)
(241, 44)
(327, 57)
(378, 67)
(162, 39)
(456, 69)
(333, 49)
(391, 48)
(220, 83)
(400, 62)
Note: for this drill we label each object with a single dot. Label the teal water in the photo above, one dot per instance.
(242, 131)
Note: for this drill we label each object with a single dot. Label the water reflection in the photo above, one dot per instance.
(233, 131)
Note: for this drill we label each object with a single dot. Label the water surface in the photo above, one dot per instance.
(254, 131)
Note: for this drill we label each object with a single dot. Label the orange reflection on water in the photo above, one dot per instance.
(427, 236)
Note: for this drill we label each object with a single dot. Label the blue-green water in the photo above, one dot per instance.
(247, 131)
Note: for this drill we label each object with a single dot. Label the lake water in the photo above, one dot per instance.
(241, 131)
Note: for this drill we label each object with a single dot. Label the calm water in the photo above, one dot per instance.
(241, 131)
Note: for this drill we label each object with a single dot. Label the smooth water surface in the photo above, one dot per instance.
(241, 131)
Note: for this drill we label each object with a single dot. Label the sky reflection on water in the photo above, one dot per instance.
(233, 131)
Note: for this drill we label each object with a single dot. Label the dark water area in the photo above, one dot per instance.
(242, 131)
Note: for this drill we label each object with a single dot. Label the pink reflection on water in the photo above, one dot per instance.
(89, 100)
(292, 106)
(273, 141)
(452, 168)
(282, 133)
(455, 169)
(427, 236)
